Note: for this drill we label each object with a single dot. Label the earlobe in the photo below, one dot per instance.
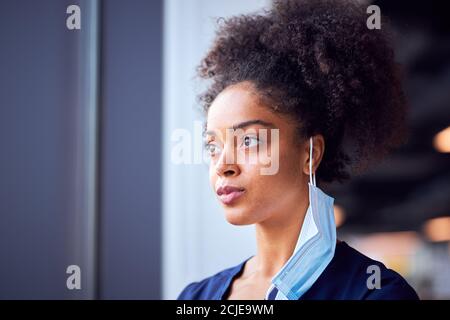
(306, 158)
(317, 153)
(319, 148)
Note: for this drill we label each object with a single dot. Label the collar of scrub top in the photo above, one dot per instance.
(309, 230)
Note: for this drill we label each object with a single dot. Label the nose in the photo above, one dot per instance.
(226, 168)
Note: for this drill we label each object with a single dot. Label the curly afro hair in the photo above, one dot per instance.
(318, 62)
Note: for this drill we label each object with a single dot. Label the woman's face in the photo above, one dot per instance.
(240, 158)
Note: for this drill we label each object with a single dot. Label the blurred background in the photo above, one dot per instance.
(87, 122)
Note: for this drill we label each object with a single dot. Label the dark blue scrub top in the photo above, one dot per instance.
(345, 277)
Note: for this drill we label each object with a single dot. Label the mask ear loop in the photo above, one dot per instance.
(312, 177)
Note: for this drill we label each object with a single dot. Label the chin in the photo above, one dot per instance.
(238, 217)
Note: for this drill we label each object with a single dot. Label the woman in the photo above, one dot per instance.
(295, 82)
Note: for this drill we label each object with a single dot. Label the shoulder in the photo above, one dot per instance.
(354, 276)
(210, 288)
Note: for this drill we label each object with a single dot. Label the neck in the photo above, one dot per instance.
(276, 240)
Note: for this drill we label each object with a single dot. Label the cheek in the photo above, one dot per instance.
(212, 176)
(263, 189)
(286, 158)
(290, 173)
(288, 177)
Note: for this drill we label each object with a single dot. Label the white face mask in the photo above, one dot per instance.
(315, 246)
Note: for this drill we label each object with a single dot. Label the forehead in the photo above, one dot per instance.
(235, 104)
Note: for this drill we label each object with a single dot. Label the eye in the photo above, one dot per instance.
(212, 149)
(249, 141)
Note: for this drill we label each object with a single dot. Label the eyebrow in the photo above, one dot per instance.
(245, 124)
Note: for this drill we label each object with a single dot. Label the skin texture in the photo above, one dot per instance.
(277, 203)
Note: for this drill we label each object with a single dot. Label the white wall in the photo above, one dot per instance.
(197, 240)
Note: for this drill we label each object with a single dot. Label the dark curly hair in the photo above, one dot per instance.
(318, 62)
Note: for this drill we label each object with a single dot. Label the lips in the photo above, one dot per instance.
(229, 194)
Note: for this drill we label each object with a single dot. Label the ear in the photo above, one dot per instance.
(318, 150)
